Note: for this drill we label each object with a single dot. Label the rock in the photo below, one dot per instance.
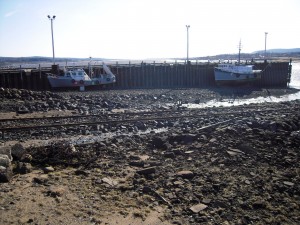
(6, 151)
(71, 148)
(17, 151)
(42, 179)
(82, 172)
(110, 181)
(178, 152)
(206, 200)
(169, 155)
(140, 125)
(147, 190)
(56, 191)
(4, 161)
(26, 158)
(23, 168)
(23, 110)
(6, 174)
(197, 208)
(159, 142)
(287, 183)
(186, 174)
(146, 171)
(137, 163)
(259, 204)
(185, 138)
(48, 169)
(247, 182)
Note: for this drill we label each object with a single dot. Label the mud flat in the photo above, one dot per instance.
(215, 165)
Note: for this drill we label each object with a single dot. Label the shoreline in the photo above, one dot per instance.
(224, 165)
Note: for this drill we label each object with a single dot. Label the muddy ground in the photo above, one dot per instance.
(229, 169)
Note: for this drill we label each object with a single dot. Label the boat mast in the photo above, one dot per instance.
(240, 46)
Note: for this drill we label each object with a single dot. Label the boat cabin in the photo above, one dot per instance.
(77, 74)
(243, 69)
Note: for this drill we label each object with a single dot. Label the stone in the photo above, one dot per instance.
(206, 200)
(6, 151)
(169, 155)
(110, 181)
(159, 142)
(42, 179)
(17, 151)
(56, 191)
(186, 174)
(48, 169)
(6, 174)
(197, 208)
(4, 161)
(23, 110)
(26, 158)
(146, 171)
(81, 172)
(137, 163)
(23, 167)
(287, 183)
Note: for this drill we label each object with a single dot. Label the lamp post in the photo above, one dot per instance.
(51, 19)
(187, 43)
(266, 33)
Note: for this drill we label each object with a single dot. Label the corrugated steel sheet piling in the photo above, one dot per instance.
(150, 75)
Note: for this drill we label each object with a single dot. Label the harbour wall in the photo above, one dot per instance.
(154, 75)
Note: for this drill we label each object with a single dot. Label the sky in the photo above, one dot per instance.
(146, 29)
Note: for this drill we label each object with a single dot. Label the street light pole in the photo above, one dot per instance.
(187, 40)
(266, 33)
(52, 18)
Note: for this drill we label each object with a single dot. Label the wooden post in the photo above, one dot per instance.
(40, 71)
(21, 74)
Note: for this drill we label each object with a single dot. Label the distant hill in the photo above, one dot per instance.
(39, 59)
(279, 50)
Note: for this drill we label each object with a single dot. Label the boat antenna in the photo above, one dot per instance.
(240, 47)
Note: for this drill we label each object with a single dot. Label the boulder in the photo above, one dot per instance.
(160, 142)
(17, 151)
(23, 167)
(5, 174)
(6, 151)
(4, 161)
(5, 168)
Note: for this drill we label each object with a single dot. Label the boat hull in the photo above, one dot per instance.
(226, 77)
(67, 82)
(103, 80)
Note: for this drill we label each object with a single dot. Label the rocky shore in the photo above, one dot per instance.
(226, 165)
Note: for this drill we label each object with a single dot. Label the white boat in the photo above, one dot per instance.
(107, 78)
(228, 73)
(79, 78)
(70, 78)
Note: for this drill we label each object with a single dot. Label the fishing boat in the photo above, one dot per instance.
(236, 73)
(79, 78)
(106, 78)
(70, 78)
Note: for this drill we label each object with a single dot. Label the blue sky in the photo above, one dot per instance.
(143, 29)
